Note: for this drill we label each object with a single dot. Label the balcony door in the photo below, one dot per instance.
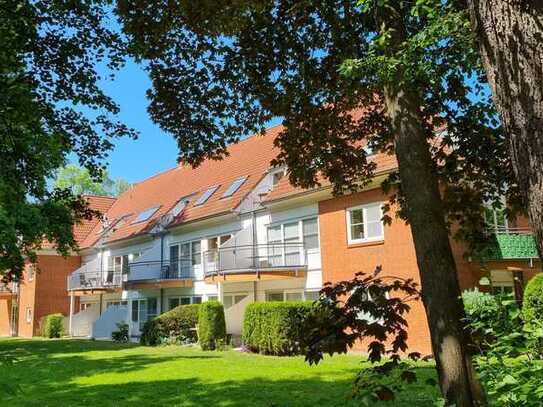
(143, 310)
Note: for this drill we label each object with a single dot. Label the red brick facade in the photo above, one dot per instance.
(43, 291)
(395, 253)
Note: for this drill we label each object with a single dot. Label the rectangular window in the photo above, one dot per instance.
(206, 195)
(30, 272)
(310, 233)
(145, 215)
(364, 223)
(184, 301)
(125, 267)
(212, 298)
(232, 299)
(173, 302)
(294, 296)
(291, 237)
(234, 187)
(135, 309)
(196, 253)
(197, 299)
(274, 296)
(28, 314)
(115, 303)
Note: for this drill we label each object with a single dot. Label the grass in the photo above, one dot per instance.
(81, 373)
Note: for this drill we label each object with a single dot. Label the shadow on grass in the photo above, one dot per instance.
(53, 373)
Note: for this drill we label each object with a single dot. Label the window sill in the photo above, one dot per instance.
(366, 244)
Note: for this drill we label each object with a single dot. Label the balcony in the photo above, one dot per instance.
(161, 274)
(88, 281)
(255, 262)
(510, 244)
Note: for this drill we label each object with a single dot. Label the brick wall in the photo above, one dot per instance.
(27, 289)
(51, 291)
(5, 314)
(396, 255)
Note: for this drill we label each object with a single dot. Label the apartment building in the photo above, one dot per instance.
(42, 290)
(237, 231)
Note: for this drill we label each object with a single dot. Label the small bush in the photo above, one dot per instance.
(532, 311)
(53, 326)
(532, 307)
(178, 325)
(275, 328)
(121, 335)
(487, 314)
(211, 326)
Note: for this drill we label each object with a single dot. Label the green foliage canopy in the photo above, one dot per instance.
(48, 78)
(79, 180)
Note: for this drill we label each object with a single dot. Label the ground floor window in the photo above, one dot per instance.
(184, 300)
(212, 298)
(84, 305)
(292, 295)
(502, 282)
(115, 303)
(28, 314)
(230, 300)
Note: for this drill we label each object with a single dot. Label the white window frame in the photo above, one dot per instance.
(364, 208)
(28, 315)
(190, 243)
(284, 292)
(30, 272)
(299, 221)
(178, 297)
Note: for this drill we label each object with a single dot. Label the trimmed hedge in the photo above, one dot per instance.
(53, 325)
(211, 325)
(532, 306)
(275, 328)
(178, 323)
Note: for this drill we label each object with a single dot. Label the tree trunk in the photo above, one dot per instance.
(439, 279)
(510, 37)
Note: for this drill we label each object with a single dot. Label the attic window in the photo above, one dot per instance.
(232, 189)
(180, 206)
(206, 195)
(145, 215)
(276, 177)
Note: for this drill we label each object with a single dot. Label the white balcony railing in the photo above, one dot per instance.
(255, 258)
(175, 269)
(91, 280)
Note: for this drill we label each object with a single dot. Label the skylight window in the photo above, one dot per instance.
(206, 195)
(232, 189)
(180, 206)
(145, 215)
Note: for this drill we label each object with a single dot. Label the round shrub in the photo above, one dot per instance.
(532, 307)
(53, 326)
(178, 323)
(211, 325)
(275, 328)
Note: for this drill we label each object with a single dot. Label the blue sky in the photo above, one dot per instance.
(154, 151)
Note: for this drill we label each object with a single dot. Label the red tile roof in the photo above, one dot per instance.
(250, 157)
(98, 203)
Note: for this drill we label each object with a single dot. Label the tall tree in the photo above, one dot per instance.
(79, 180)
(220, 70)
(48, 73)
(510, 36)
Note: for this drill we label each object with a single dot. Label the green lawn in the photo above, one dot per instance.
(76, 372)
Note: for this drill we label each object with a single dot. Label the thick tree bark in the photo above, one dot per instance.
(439, 279)
(440, 287)
(510, 37)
